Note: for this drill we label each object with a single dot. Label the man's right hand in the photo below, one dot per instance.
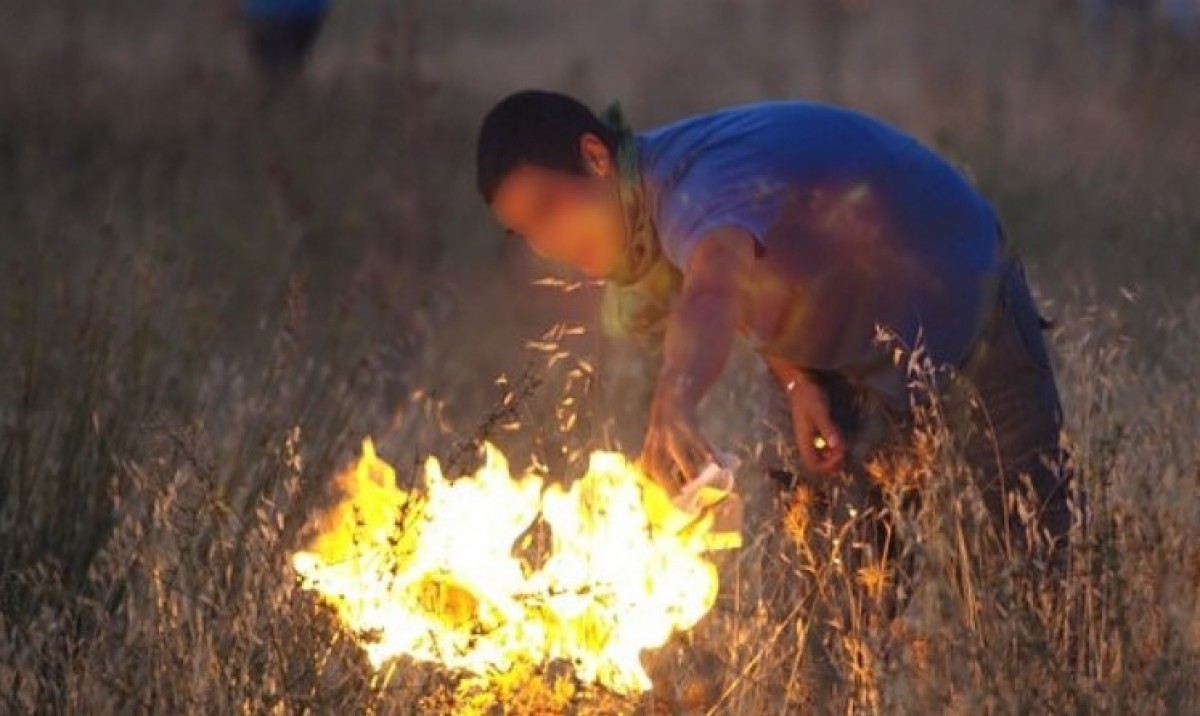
(674, 451)
(821, 445)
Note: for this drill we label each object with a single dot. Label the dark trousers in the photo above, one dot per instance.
(1002, 411)
(1004, 414)
(1014, 427)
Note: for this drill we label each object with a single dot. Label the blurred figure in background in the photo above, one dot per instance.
(1183, 16)
(280, 33)
(1102, 10)
(1179, 17)
(1104, 17)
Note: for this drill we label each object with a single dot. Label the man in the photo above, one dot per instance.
(801, 227)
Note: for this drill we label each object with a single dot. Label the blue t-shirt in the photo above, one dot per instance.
(858, 223)
(285, 8)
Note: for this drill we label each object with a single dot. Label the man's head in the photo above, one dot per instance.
(547, 168)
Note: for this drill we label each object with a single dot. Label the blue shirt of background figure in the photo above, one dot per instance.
(285, 8)
(864, 225)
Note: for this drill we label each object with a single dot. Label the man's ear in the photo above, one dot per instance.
(597, 160)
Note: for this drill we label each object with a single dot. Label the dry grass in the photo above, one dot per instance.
(205, 307)
(164, 586)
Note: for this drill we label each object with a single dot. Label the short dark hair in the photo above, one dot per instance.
(534, 127)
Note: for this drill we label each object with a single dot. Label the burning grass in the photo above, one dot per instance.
(435, 574)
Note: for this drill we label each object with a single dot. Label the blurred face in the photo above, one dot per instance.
(572, 219)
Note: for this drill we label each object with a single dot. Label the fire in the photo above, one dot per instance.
(436, 573)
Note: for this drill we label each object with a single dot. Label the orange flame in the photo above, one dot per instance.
(432, 574)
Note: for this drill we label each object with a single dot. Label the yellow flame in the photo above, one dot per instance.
(432, 574)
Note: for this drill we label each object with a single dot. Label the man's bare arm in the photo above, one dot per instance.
(700, 334)
(702, 325)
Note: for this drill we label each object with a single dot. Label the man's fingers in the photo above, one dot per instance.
(651, 459)
(659, 470)
(690, 453)
(820, 443)
(834, 450)
(658, 462)
(674, 458)
(804, 442)
(828, 431)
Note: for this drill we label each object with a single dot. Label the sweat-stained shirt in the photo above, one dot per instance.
(858, 222)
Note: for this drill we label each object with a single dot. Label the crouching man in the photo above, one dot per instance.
(802, 228)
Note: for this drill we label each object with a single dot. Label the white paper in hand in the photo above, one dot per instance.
(714, 483)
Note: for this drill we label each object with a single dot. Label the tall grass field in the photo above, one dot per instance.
(211, 291)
